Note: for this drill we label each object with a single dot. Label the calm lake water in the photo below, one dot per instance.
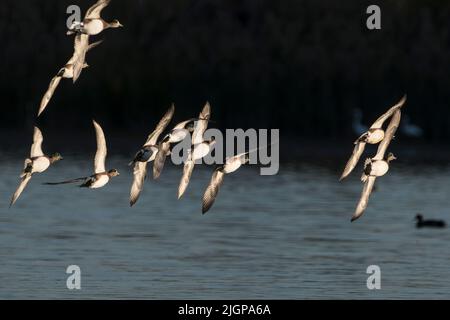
(286, 236)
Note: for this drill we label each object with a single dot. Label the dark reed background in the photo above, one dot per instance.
(298, 65)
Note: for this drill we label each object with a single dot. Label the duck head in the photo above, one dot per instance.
(113, 173)
(419, 217)
(115, 24)
(390, 157)
(55, 157)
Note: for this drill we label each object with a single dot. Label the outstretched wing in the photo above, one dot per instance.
(67, 181)
(23, 184)
(102, 151)
(36, 148)
(379, 122)
(49, 93)
(139, 173)
(187, 173)
(362, 205)
(79, 56)
(389, 135)
(201, 124)
(351, 163)
(95, 11)
(162, 125)
(212, 190)
(160, 159)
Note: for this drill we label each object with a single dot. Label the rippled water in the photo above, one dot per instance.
(285, 236)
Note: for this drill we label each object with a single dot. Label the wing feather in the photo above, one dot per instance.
(201, 124)
(379, 122)
(362, 205)
(351, 163)
(212, 190)
(389, 135)
(102, 151)
(162, 125)
(160, 159)
(139, 173)
(36, 148)
(23, 184)
(95, 11)
(49, 93)
(187, 173)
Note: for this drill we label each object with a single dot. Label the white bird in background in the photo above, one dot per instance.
(373, 135)
(147, 154)
(200, 148)
(36, 163)
(377, 166)
(101, 177)
(409, 129)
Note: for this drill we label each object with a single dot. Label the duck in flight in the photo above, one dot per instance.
(421, 223)
(147, 154)
(176, 135)
(231, 165)
(93, 23)
(374, 135)
(71, 70)
(101, 177)
(200, 148)
(38, 162)
(377, 166)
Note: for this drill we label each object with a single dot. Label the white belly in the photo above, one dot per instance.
(101, 182)
(200, 151)
(379, 168)
(178, 135)
(93, 27)
(40, 165)
(375, 136)
(232, 166)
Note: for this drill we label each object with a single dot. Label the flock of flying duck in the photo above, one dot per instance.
(153, 149)
(156, 150)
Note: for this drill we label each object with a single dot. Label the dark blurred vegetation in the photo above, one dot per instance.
(298, 65)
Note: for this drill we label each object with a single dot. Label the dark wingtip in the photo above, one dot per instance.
(353, 219)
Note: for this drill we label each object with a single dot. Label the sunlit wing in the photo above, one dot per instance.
(162, 125)
(353, 161)
(389, 135)
(201, 124)
(379, 122)
(23, 184)
(95, 11)
(139, 173)
(160, 159)
(187, 173)
(367, 190)
(49, 93)
(212, 190)
(102, 151)
(36, 148)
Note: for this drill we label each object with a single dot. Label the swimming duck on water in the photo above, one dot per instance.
(38, 162)
(374, 135)
(377, 166)
(71, 70)
(147, 154)
(93, 23)
(422, 223)
(101, 177)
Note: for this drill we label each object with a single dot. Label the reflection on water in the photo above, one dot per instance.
(284, 236)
